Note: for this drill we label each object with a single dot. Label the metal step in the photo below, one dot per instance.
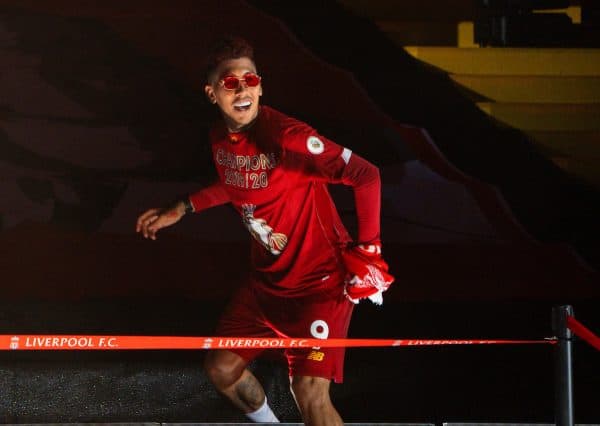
(533, 89)
(580, 145)
(545, 117)
(511, 61)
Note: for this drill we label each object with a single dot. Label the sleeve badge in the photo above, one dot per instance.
(315, 145)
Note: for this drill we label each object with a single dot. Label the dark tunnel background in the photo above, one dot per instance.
(102, 116)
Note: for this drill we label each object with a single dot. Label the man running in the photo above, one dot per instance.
(307, 273)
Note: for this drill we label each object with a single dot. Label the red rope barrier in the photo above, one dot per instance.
(582, 332)
(94, 342)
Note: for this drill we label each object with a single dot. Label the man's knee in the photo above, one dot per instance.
(310, 391)
(223, 368)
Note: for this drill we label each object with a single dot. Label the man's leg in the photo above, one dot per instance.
(228, 372)
(313, 400)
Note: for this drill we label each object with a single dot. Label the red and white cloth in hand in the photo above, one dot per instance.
(368, 273)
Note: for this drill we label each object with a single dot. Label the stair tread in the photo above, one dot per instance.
(548, 117)
(584, 146)
(511, 61)
(533, 89)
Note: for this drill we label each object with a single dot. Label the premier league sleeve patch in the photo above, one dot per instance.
(315, 145)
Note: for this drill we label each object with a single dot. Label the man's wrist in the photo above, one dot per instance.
(187, 205)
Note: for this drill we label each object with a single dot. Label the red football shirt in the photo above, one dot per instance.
(276, 174)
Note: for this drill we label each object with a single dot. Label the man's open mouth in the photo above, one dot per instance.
(242, 105)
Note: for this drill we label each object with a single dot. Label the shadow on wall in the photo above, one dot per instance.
(81, 114)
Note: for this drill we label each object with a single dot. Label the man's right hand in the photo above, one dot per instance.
(151, 221)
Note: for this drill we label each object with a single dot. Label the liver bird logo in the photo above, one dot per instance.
(274, 242)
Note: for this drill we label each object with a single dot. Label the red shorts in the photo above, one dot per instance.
(254, 314)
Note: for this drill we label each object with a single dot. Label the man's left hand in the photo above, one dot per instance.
(368, 273)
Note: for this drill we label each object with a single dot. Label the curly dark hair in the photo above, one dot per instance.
(228, 47)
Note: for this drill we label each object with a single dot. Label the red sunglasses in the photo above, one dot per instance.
(233, 83)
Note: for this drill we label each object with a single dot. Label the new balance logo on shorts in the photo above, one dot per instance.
(316, 356)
